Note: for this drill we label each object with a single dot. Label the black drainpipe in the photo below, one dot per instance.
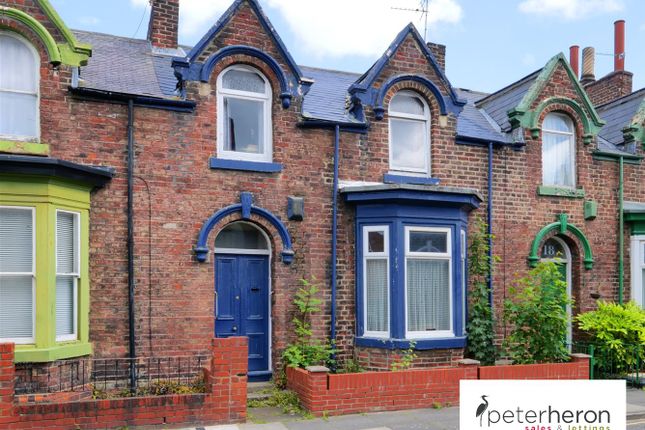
(132, 350)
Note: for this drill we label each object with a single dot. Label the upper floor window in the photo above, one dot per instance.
(244, 115)
(409, 133)
(19, 83)
(558, 151)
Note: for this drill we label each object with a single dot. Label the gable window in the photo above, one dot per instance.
(17, 273)
(19, 83)
(558, 151)
(244, 115)
(409, 133)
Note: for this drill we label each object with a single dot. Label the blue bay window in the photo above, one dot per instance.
(411, 264)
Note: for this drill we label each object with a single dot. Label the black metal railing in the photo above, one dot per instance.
(111, 377)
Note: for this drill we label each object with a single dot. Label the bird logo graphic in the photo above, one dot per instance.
(480, 410)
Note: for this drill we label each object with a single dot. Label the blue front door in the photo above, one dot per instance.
(242, 306)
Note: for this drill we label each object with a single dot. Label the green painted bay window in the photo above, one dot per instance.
(44, 267)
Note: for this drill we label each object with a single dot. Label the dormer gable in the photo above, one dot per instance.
(527, 112)
(218, 44)
(371, 88)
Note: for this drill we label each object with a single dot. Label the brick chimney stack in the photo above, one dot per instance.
(616, 84)
(163, 30)
(439, 52)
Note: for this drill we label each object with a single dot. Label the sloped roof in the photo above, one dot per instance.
(125, 65)
(499, 103)
(618, 114)
(327, 97)
(476, 123)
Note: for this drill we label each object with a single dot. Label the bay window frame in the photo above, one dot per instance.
(367, 255)
(26, 340)
(47, 196)
(444, 256)
(75, 274)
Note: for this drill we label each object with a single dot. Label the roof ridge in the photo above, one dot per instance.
(509, 87)
(330, 70)
(622, 99)
(116, 36)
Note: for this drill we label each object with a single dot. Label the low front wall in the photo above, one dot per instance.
(323, 393)
(224, 401)
(577, 368)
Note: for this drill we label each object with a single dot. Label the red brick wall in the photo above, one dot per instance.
(224, 402)
(578, 368)
(610, 87)
(322, 393)
(326, 394)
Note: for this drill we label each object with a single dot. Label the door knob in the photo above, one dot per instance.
(237, 297)
(234, 328)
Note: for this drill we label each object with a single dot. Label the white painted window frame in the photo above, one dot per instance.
(385, 255)
(429, 256)
(222, 93)
(37, 93)
(572, 144)
(32, 339)
(638, 264)
(400, 116)
(77, 268)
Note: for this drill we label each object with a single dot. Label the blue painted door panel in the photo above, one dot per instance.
(242, 307)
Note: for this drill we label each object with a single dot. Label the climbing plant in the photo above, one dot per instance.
(481, 324)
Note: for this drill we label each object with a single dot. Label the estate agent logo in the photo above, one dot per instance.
(542, 405)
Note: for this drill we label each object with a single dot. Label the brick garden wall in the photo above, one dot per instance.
(224, 401)
(322, 393)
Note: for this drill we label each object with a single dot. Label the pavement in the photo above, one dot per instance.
(418, 419)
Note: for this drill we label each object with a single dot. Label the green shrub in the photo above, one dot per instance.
(618, 334)
(538, 317)
(481, 325)
(306, 351)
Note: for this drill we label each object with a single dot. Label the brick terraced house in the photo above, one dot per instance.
(153, 196)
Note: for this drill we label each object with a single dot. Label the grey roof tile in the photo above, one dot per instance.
(327, 97)
(120, 64)
(472, 122)
(618, 115)
(500, 102)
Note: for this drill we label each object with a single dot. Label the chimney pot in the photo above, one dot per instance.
(588, 59)
(619, 45)
(574, 60)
